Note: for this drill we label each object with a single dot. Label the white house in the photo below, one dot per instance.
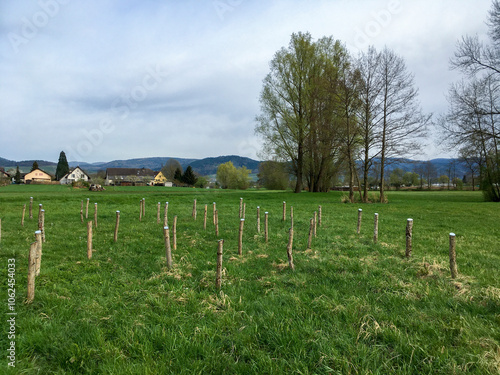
(74, 175)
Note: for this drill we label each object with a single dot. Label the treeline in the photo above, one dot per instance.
(324, 111)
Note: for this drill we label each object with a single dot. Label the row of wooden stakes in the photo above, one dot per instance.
(36, 247)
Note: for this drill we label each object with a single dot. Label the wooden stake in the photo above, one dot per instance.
(244, 209)
(194, 209)
(31, 272)
(175, 233)
(158, 214)
(241, 208)
(42, 224)
(320, 215)
(311, 229)
(218, 276)
(89, 240)
(95, 215)
(117, 225)
(205, 217)
(266, 226)
(87, 209)
(284, 211)
(258, 219)
(165, 215)
(315, 230)
(40, 208)
(291, 216)
(141, 202)
(31, 208)
(38, 237)
(214, 209)
(375, 229)
(240, 238)
(409, 234)
(81, 215)
(22, 217)
(216, 222)
(168, 250)
(144, 207)
(0, 229)
(289, 249)
(360, 214)
(453, 257)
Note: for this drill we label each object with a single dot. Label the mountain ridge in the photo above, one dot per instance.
(204, 166)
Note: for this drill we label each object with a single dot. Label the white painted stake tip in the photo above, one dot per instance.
(117, 212)
(409, 219)
(360, 209)
(165, 227)
(38, 231)
(452, 234)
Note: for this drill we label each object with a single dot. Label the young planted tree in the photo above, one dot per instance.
(62, 166)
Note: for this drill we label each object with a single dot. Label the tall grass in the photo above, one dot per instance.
(350, 306)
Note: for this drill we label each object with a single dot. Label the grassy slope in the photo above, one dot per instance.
(350, 306)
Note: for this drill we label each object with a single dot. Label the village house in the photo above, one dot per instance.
(129, 176)
(76, 174)
(3, 174)
(160, 179)
(37, 176)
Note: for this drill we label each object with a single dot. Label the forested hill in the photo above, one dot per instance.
(208, 166)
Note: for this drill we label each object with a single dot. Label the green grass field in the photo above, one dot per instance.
(350, 306)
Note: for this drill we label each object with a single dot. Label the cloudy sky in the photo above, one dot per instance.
(118, 79)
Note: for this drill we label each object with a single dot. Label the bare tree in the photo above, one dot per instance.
(370, 114)
(472, 118)
(403, 123)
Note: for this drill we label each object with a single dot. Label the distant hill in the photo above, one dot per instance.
(25, 165)
(208, 166)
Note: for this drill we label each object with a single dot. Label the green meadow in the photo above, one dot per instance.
(350, 306)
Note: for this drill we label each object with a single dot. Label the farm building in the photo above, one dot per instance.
(37, 176)
(76, 174)
(129, 176)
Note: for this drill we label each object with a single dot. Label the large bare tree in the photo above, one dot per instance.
(472, 120)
